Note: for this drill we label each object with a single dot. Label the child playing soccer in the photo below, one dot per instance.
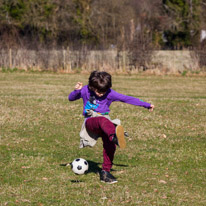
(97, 97)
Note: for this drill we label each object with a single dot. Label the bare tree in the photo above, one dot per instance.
(148, 23)
(109, 19)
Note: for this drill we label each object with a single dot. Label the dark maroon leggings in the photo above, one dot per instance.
(105, 129)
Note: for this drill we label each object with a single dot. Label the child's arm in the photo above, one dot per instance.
(78, 86)
(131, 100)
(151, 107)
(76, 94)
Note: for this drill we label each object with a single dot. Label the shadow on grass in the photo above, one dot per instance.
(94, 166)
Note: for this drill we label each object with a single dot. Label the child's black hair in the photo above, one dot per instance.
(100, 81)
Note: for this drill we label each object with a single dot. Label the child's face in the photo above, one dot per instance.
(99, 94)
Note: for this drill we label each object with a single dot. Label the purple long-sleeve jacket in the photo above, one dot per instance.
(101, 104)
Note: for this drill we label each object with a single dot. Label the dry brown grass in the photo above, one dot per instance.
(163, 163)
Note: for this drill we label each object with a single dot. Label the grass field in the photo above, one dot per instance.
(164, 162)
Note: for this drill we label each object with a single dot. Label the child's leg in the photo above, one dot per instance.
(108, 153)
(106, 129)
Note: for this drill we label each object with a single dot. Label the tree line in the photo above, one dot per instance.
(105, 24)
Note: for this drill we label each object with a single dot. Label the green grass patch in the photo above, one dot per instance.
(163, 163)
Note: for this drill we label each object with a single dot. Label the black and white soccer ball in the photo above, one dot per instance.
(79, 166)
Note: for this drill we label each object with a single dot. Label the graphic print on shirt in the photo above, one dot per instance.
(91, 104)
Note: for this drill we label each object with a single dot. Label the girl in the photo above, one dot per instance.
(97, 97)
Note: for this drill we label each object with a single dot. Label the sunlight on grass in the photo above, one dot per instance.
(163, 163)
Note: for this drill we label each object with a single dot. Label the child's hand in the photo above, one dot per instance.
(151, 108)
(78, 86)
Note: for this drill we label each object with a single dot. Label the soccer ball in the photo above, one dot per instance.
(79, 166)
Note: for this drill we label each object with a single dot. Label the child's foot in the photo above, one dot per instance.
(118, 138)
(107, 177)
